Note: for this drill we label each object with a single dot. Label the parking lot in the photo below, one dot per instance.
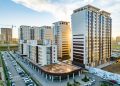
(16, 74)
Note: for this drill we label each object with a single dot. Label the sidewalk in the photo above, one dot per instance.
(104, 65)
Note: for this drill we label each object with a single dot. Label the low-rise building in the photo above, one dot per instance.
(47, 54)
(42, 54)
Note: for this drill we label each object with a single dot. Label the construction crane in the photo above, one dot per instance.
(6, 26)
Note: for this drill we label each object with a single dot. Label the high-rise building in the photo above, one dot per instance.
(118, 39)
(37, 33)
(47, 33)
(1, 39)
(36, 44)
(91, 30)
(24, 32)
(62, 36)
(6, 34)
(32, 33)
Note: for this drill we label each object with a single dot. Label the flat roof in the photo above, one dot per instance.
(105, 12)
(60, 69)
(61, 22)
(86, 6)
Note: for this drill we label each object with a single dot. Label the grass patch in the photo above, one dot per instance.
(115, 46)
(27, 72)
(75, 83)
(5, 48)
(0, 62)
(114, 68)
(1, 83)
(106, 83)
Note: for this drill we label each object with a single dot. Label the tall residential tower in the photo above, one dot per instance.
(91, 30)
(62, 39)
(6, 34)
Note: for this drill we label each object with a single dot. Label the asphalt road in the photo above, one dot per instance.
(16, 77)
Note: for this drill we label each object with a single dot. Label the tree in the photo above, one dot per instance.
(68, 84)
(85, 79)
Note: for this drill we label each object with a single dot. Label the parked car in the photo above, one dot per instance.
(12, 83)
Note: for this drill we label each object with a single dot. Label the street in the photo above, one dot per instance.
(15, 76)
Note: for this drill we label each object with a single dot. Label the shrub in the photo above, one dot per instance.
(85, 79)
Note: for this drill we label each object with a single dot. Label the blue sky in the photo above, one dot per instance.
(45, 12)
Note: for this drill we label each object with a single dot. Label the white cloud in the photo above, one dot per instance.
(62, 9)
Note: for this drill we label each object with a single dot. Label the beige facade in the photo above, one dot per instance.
(6, 34)
(47, 33)
(91, 30)
(62, 39)
(24, 32)
(37, 33)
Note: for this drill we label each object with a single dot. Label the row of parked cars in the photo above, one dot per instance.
(22, 73)
(10, 77)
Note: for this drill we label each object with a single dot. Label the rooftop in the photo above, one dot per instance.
(86, 7)
(61, 22)
(61, 68)
(105, 12)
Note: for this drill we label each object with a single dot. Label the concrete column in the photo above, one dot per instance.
(38, 70)
(29, 64)
(32, 66)
(43, 74)
(68, 77)
(60, 78)
(35, 68)
(49, 77)
(46, 76)
(73, 76)
(79, 73)
(26, 62)
(52, 78)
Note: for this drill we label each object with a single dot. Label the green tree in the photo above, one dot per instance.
(69, 84)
